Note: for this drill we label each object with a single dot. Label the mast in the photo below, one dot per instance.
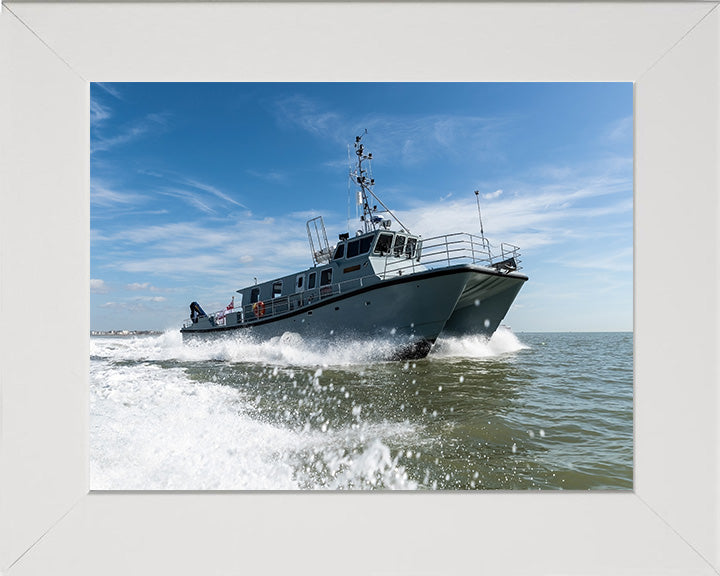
(362, 177)
(482, 232)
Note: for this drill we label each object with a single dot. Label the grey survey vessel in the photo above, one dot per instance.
(384, 283)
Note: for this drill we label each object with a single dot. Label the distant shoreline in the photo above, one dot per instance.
(125, 332)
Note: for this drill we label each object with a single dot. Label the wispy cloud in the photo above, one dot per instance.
(98, 112)
(110, 89)
(98, 286)
(188, 197)
(144, 286)
(528, 216)
(618, 260)
(308, 114)
(269, 175)
(130, 132)
(134, 305)
(409, 139)
(207, 198)
(192, 250)
(103, 194)
(620, 130)
(213, 191)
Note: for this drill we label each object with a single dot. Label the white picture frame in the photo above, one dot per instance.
(51, 523)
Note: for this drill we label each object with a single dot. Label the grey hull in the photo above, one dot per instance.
(483, 303)
(406, 312)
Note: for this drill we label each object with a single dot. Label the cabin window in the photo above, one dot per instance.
(399, 245)
(339, 251)
(254, 295)
(326, 277)
(311, 280)
(383, 244)
(300, 282)
(353, 248)
(277, 289)
(365, 244)
(410, 247)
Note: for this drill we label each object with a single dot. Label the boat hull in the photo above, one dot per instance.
(408, 313)
(484, 302)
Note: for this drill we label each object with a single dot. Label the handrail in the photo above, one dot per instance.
(436, 252)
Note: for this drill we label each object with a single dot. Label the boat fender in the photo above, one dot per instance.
(259, 309)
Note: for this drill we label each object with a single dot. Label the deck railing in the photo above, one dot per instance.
(452, 250)
(432, 253)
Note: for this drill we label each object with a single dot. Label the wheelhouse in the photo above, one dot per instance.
(383, 244)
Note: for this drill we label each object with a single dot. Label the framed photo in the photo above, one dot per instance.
(401, 348)
(49, 53)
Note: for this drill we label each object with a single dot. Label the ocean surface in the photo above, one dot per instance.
(527, 411)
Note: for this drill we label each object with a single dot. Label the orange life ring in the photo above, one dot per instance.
(259, 309)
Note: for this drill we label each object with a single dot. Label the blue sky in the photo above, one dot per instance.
(198, 188)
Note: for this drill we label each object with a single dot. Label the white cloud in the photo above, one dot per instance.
(137, 286)
(109, 88)
(190, 198)
(133, 131)
(101, 194)
(155, 299)
(98, 286)
(410, 139)
(234, 251)
(134, 305)
(492, 195)
(98, 112)
(529, 217)
(620, 130)
(307, 114)
(212, 190)
(269, 175)
(198, 194)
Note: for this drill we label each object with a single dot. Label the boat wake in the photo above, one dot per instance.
(169, 426)
(503, 341)
(234, 414)
(290, 349)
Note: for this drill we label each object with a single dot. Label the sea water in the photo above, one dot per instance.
(525, 411)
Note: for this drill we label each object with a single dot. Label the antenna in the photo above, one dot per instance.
(482, 232)
(349, 191)
(369, 219)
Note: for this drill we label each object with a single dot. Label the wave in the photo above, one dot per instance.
(503, 341)
(289, 349)
(153, 428)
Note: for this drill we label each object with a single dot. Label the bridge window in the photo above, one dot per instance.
(254, 295)
(353, 248)
(383, 244)
(311, 280)
(339, 251)
(399, 245)
(277, 289)
(365, 243)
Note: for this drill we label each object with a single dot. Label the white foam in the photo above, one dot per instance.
(153, 428)
(288, 349)
(503, 341)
